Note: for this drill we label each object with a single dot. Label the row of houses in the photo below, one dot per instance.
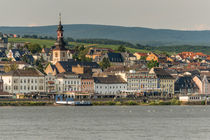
(25, 81)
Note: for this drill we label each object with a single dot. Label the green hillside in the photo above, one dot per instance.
(49, 43)
(145, 36)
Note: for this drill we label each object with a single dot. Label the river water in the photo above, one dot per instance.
(105, 123)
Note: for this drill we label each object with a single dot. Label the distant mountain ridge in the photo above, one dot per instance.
(145, 36)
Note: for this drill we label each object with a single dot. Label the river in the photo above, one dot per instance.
(105, 123)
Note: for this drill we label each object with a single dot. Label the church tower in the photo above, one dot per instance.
(60, 52)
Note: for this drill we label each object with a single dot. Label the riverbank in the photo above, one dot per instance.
(26, 103)
(131, 102)
(104, 103)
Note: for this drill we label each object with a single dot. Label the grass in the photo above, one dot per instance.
(25, 103)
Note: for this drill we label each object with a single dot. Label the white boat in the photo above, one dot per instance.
(70, 101)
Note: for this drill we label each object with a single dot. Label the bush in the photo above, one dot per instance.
(175, 102)
(118, 103)
(110, 103)
(130, 103)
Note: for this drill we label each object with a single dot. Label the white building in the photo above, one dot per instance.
(24, 81)
(109, 85)
(68, 82)
(142, 81)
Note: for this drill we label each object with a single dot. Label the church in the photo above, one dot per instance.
(60, 52)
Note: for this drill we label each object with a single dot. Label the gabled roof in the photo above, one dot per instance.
(27, 72)
(162, 74)
(17, 50)
(46, 50)
(2, 54)
(115, 57)
(12, 62)
(67, 65)
(141, 54)
(185, 82)
(67, 75)
(110, 79)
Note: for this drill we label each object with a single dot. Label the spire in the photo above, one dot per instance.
(60, 26)
(60, 18)
(60, 44)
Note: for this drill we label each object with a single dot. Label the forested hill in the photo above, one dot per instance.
(154, 37)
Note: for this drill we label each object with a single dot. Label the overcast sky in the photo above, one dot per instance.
(168, 14)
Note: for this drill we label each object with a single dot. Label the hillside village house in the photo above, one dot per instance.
(24, 81)
(114, 58)
(66, 66)
(3, 41)
(15, 54)
(140, 55)
(152, 56)
(96, 53)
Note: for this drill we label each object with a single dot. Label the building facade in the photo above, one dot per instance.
(24, 82)
(110, 85)
(142, 81)
(165, 80)
(68, 82)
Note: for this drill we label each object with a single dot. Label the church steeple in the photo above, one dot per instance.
(60, 44)
(60, 52)
(60, 29)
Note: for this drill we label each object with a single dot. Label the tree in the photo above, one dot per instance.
(143, 58)
(152, 64)
(39, 65)
(121, 48)
(34, 48)
(105, 63)
(8, 68)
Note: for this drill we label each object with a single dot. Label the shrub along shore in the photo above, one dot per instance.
(103, 103)
(26, 103)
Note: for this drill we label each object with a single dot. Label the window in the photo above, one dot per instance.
(41, 81)
(15, 80)
(64, 55)
(15, 87)
(40, 87)
(56, 54)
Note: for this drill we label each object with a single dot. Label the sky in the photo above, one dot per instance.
(158, 14)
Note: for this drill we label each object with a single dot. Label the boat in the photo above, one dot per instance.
(70, 101)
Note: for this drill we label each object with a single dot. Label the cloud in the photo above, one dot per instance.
(32, 25)
(198, 27)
